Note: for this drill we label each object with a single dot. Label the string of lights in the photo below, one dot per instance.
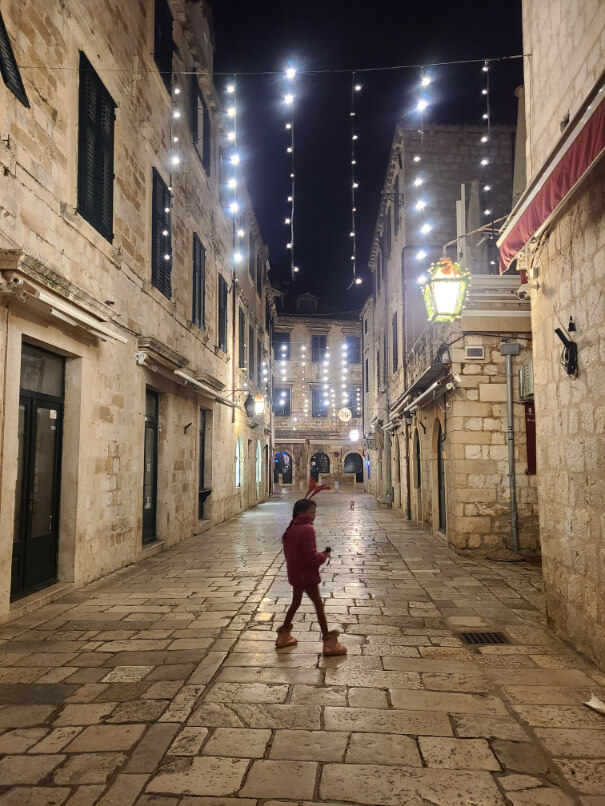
(424, 224)
(384, 68)
(355, 88)
(289, 97)
(233, 179)
(485, 140)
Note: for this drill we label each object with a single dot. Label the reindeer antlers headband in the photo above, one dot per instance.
(315, 488)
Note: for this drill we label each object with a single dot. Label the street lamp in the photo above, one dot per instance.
(445, 290)
(254, 405)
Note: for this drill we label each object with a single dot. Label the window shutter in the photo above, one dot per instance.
(242, 339)
(207, 145)
(259, 358)
(395, 344)
(222, 313)
(385, 358)
(163, 45)
(199, 283)
(161, 249)
(8, 66)
(95, 151)
(251, 351)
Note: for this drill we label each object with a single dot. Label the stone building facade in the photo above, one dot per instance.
(435, 405)
(556, 232)
(317, 399)
(122, 419)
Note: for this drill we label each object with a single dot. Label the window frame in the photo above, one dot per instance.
(316, 409)
(95, 150)
(161, 244)
(318, 352)
(202, 141)
(280, 338)
(356, 352)
(251, 356)
(9, 68)
(199, 283)
(278, 409)
(395, 339)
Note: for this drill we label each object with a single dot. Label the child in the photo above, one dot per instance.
(303, 561)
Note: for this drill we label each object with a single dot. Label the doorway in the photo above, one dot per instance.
(320, 463)
(283, 467)
(36, 532)
(354, 464)
(150, 470)
(441, 479)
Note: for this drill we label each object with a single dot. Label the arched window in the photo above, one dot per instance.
(238, 462)
(259, 464)
(354, 464)
(320, 463)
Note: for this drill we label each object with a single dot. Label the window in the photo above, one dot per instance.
(238, 462)
(95, 151)
(378, 271)
(259, 361)
(377, 370)
(201, 127)
(320, 403)
(396, 205)
(251, 256)
(8, 66)
(385, 359)
(281, 401)
(367, 377)
(395, 352)
(222, 313)
(242, 340)
(281, 346)
(351, 399)
(259, 275)
(319, 345)
(365, 325)
(199, 284)
(353, 351)
(161, 245)
(251, 351)
(163, 47)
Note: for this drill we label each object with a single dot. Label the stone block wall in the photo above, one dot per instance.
(570, 419)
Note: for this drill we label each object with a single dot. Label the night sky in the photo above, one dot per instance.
(331, 36)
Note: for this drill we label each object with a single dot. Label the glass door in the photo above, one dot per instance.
(150, 470)
(36, 526)
(441, 480)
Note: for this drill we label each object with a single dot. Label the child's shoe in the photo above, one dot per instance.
(331, 645)
(284, 637)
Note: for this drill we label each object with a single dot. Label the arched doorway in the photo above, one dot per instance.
(259, 470)
(354, 464)
(320, 463)
(283, 465)
(441, 479)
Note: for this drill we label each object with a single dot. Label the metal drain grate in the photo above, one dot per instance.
(484, 638)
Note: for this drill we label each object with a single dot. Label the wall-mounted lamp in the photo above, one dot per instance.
(444, 290)
(254, 406)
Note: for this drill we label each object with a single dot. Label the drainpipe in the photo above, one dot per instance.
(509, 349)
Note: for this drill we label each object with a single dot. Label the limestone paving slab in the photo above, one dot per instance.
(162, 685)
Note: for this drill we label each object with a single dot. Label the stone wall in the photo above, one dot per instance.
(570, 417)
(568, 263)
(102, 465)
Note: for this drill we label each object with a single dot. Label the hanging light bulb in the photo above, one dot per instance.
(422, 104)
(288, 98)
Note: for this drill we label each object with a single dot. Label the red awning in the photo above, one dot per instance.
(568, 168)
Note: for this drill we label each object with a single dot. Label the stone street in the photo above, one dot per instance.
(161, 684)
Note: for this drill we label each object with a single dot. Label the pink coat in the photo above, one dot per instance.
(302, 558)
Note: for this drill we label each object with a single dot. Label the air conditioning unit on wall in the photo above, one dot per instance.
(526, 381)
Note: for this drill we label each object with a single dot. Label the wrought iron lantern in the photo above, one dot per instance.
(445, 289)
(255, 406)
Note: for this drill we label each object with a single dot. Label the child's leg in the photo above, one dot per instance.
(296, 600)
(314, 595)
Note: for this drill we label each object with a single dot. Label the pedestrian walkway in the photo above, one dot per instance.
(161, 685)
